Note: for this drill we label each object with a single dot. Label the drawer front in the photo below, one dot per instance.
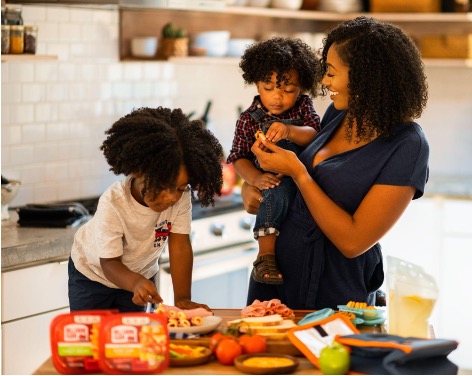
(34, 290)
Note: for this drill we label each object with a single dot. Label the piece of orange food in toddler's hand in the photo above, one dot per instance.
(261, 135)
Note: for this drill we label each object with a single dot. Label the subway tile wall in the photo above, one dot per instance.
(54, 113)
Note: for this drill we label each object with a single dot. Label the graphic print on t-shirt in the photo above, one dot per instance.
(161, 232)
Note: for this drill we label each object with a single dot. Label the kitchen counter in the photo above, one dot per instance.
(28, 246)
(214, 367)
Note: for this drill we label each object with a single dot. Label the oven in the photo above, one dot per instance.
(224, 250)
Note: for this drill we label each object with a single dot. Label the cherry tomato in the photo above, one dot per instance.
(227, 350)
(252, 343)
(216, 338)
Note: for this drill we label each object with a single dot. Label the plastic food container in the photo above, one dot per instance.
(74, 341)
(133, 343)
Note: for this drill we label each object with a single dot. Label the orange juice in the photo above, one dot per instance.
(408, 315)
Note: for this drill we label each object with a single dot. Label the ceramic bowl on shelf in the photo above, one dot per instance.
(144, 46)
(214, 42)
(287, 4)
(237, 46)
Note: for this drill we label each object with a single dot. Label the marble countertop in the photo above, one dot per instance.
(29, 246)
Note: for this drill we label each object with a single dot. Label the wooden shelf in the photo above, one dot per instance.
(227, 60)
(27, 57)
(256, 23)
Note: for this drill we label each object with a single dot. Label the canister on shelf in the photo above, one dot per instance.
(17, 39)
(5, 39)
(31, 38)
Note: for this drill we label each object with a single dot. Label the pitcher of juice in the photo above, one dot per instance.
(411, 295)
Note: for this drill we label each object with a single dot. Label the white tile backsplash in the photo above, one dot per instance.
(54, 113)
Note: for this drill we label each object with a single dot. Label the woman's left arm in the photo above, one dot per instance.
(351, 234)
(181, 264)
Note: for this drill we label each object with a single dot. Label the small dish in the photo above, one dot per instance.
(209, 324)
(266, 367)
(194, 361)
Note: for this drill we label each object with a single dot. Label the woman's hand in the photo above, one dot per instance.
(276, 159)
(252, 198)
(188, 304)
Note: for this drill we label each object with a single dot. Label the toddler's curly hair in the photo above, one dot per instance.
(387, 83)
(156, 142)
(280, 55)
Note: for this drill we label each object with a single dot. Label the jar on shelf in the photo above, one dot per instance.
(31, 38)
(17, 39)
(13, 15)
(5, 39)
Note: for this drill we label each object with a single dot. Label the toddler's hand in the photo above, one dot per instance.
(188, 304)
(266, 181)
(145, 292)
(277, 131)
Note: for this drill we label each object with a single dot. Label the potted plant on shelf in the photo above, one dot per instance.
(174, 42)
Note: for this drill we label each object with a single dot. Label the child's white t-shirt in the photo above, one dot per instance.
(123, 227)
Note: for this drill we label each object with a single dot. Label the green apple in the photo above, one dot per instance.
(335, 359)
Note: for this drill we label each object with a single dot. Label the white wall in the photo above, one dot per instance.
(54, 114)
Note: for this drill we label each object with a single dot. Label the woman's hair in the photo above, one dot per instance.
(156, 142)
(387, 84)
(280, 55)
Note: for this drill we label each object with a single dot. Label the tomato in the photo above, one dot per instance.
(227, 350)
(252, 343)
(216, 338)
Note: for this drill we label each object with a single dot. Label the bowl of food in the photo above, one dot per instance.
(10, 189)
(266, 364)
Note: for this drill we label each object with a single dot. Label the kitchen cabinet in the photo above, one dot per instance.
(31, 298)
(253, 22)
(436, 233)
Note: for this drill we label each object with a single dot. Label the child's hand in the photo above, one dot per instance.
(266, 181)
(188, 304)
(145, 292)
(277, 131)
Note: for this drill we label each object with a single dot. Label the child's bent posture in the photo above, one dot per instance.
(165, 157)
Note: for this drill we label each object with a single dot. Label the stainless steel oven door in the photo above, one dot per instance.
(220, 278)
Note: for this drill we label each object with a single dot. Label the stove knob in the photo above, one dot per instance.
(246, 223)
(217, 229)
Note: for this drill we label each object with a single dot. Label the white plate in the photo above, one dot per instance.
(209, 323)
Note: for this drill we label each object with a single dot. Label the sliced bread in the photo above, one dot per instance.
(280, 328)
(270, 320)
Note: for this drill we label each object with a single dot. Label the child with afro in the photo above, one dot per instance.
(165, 159)
(285, 72)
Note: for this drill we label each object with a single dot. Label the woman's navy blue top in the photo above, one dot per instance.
(316, 274)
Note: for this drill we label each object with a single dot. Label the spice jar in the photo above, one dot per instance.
(17, 40)
(31, 37)
(5, 39)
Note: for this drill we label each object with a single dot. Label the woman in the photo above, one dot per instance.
(359, 174)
